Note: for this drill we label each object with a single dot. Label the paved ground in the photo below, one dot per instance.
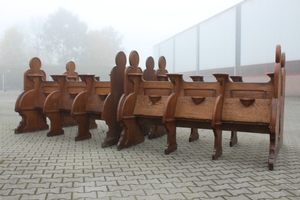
(37, 167)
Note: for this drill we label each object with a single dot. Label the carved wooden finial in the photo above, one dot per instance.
(134, 59)
(162, 63)
(121, 59)
(149, 72)
(70, 67)
(35, 65)
(162, 66)
(71, 74)
(150, 63)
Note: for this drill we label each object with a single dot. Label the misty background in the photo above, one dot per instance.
(90, 33)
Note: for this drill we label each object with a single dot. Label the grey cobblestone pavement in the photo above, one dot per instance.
(34, 166)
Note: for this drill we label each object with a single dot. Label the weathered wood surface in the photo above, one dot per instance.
(29, 103)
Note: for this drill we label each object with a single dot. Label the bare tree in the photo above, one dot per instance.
(33, 35)
(12, 47)
(64, 36)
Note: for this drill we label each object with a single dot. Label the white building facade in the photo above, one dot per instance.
(240, 41)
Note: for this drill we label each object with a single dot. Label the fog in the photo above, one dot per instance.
(142, 24)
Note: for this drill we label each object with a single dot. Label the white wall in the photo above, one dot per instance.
(264, 24)
(212, 43)
(217, 41)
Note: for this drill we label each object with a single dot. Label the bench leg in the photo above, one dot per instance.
(21, 125)
(131, 133)
(83, 127)
(55, 125)
(157, 131)
(233, 138)
(281, 120)
(194, 135)
(218, 141)
(171, 137)
(32, 120)
(92, 123)
(273, 150)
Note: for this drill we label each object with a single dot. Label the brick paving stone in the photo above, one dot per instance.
(261, 189)
(133, 193)
(238, 197)
(169, 180)
(145, 187)
(151, 192)
(106, 183)
(201, 189)
(83, 184)
(128, 182)
(14, 186)
(151, 181)
(156, 197)
(259, 196)
(59, 196)
(203, 183)
(5, 192)
(185, 184)
(28, 191)
(221, 187)
(294, 190)
(51, 180)
(237, 192)
(164, 185)
(280, 194)
(33, 197)
(172, 196)
(125, 187)
(55, 190)
(125, 198)
(135, 178)
(38, 185)
(195, 195)
(71, 190)
(240, 185)
(13, 197)
(79, 195)
(114, 178)
(219, 193)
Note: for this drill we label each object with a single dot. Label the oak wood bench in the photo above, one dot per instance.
(132, 118)
(58, 103)
(99, 101)
(232, 106)
(29, 103)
